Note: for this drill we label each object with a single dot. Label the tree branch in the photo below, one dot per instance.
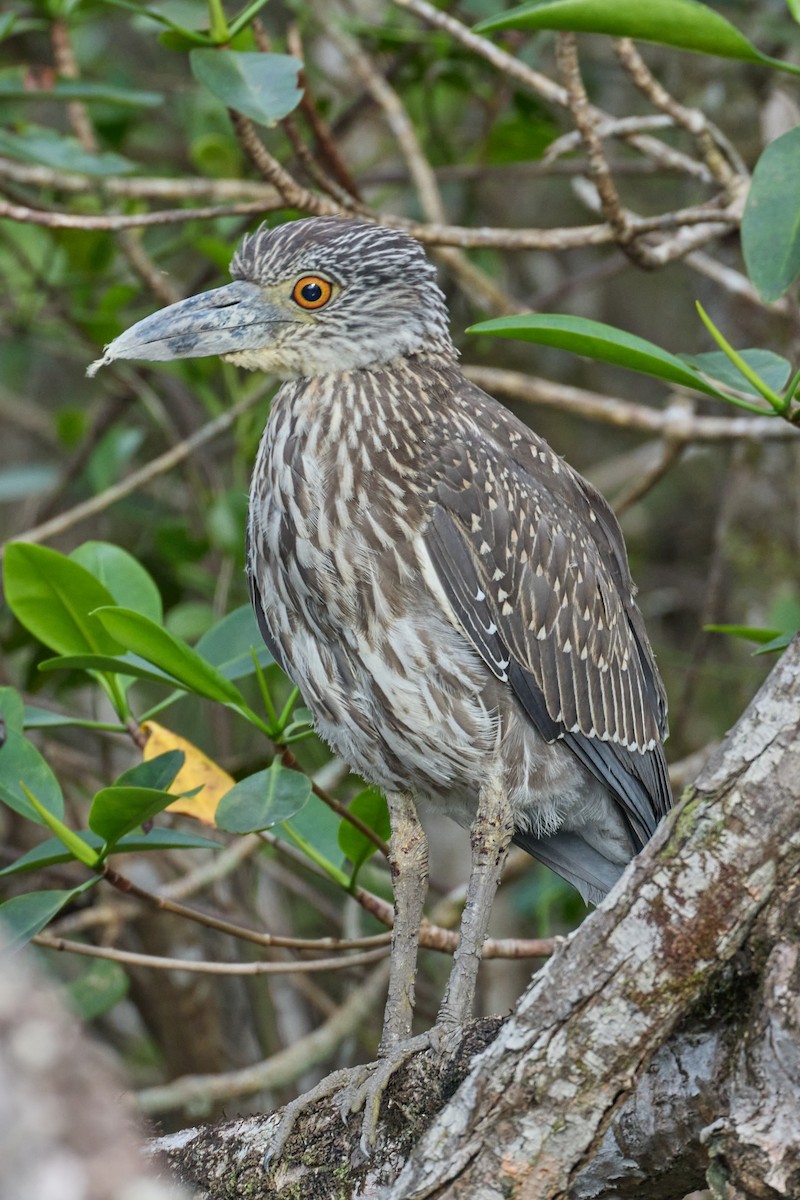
(626, 1058)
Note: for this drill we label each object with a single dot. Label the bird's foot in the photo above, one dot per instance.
(357, 1088)
(367, 1093)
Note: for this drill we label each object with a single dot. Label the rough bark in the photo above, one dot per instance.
(660, 1043)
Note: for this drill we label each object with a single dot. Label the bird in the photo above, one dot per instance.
(452, 599)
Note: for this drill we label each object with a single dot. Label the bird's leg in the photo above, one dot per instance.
(364, 1086)
(408, 855)
(490, 836)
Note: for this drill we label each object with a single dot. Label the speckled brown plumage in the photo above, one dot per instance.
(453, 600)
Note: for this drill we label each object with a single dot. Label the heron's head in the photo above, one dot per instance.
(311, 297)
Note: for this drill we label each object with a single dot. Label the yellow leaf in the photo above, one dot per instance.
(198, 771)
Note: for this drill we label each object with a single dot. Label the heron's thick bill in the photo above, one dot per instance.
(223, 321)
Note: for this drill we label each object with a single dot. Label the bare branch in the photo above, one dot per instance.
(673, 423)
(196, 966)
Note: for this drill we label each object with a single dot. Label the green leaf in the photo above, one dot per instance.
(147, 639)
(158, 772)
(261, 86)
(593, 339)
(22, 765)
(685, 24)
(771, 220)
(15, 86)
(370, 806)
(749, 633)
(227, 646)
(123, 575)
(775, 401)
(52, 852)
(54, 599)
(778, 643)
(100, 986)
(18, 483)
(25, 916)
(71, 841)
(12, 709)
(116, 811)
(51, 149)
(263, 800)
(772, 368)
(112, 456)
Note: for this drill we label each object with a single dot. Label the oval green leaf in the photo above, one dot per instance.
(771, 220)
(123, 575)
(772, 368)
(594, 339)
(23, 917)
(261, 86)
(228, 645)
(157, 772)
(116, 811)
(263, 800)
(54, 598)
(685, 24)
(22, 764)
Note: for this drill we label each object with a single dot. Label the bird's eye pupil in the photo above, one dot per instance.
(311, 292)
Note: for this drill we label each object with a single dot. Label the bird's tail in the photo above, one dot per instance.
(574, 860)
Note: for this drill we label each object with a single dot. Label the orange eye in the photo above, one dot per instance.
(311, 292)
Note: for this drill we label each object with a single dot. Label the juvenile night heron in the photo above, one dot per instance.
(452, 599)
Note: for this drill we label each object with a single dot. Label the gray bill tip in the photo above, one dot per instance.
(94, 367)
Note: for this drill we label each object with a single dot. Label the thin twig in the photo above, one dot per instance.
(671, 422)
(611, 127)
(155, 962)
(140, 187)
(474, 282)
(291, 192)
(325, 142)
(720, 155)
(341, 195)
(113, 222)
(163, 903)
(610, 204)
